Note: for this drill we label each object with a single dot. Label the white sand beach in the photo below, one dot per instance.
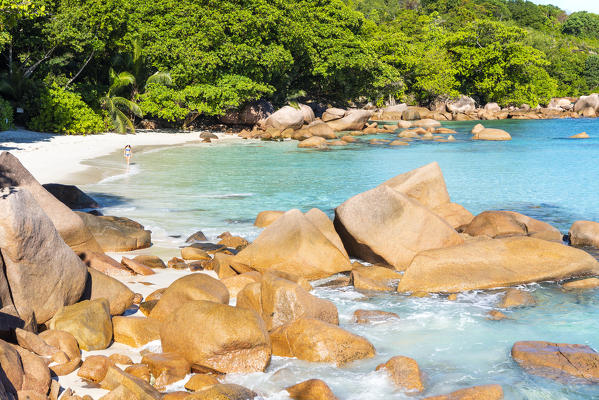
(53, 158)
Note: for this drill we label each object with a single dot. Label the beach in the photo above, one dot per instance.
(61, 158)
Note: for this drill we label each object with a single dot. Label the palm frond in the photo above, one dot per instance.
(161, 78)
(120, 81)
(124, 122)
(127, 105)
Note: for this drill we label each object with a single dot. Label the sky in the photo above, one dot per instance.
(573, 5)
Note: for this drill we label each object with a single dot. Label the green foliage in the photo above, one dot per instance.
(582, 24)
(62, 111)
(175, 105)
(199, 58)
(6, 115)
(591, 72)
(118, 107)
(493, 64)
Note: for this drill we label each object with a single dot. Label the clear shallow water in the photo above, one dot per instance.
(540, 173)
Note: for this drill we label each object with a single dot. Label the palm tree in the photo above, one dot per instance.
(135, 63)
(118, 106)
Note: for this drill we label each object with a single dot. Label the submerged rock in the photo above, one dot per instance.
(516, 298)
(373, 316)
(562, 362)
(484, 392)
(217, 336)
(317, 341)
(495, 263)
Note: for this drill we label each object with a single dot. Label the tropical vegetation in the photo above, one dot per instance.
(84, 66)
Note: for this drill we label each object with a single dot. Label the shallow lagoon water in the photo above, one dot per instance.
(541, 173)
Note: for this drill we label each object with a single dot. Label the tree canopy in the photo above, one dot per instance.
(193, 58)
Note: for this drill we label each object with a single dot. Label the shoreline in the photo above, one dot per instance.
(70, 159)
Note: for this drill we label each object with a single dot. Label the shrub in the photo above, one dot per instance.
(6, 115)
(62, 111)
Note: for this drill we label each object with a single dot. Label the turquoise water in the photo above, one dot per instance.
(221, 187)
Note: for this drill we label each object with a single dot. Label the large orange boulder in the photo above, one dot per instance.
(317, 341)
(425, 184)
(383, 225)
(354, 120)
(191, 287)
(41, 273)
(510, 223)
(584, 233)
(293, 243)
(117, 233)
(559, 361)
(284, 301)
(218, 337)
(70, 227)
(494, 263)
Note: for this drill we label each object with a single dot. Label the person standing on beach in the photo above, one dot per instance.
(128, 153)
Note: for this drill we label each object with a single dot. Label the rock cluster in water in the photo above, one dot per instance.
(60, 293)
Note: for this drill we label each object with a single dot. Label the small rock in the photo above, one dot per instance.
(94, 368)
(589, 283)
(176, 263)
(167, 368)
(136, 267)
(88, 321)
(200, 382)
(404, 372)
(495, 315)
(150, 261)
(141, 371)
(196, 237)
(517, 298)
(582, 135)
(373, 316)
(313, 389)
(192, 253)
